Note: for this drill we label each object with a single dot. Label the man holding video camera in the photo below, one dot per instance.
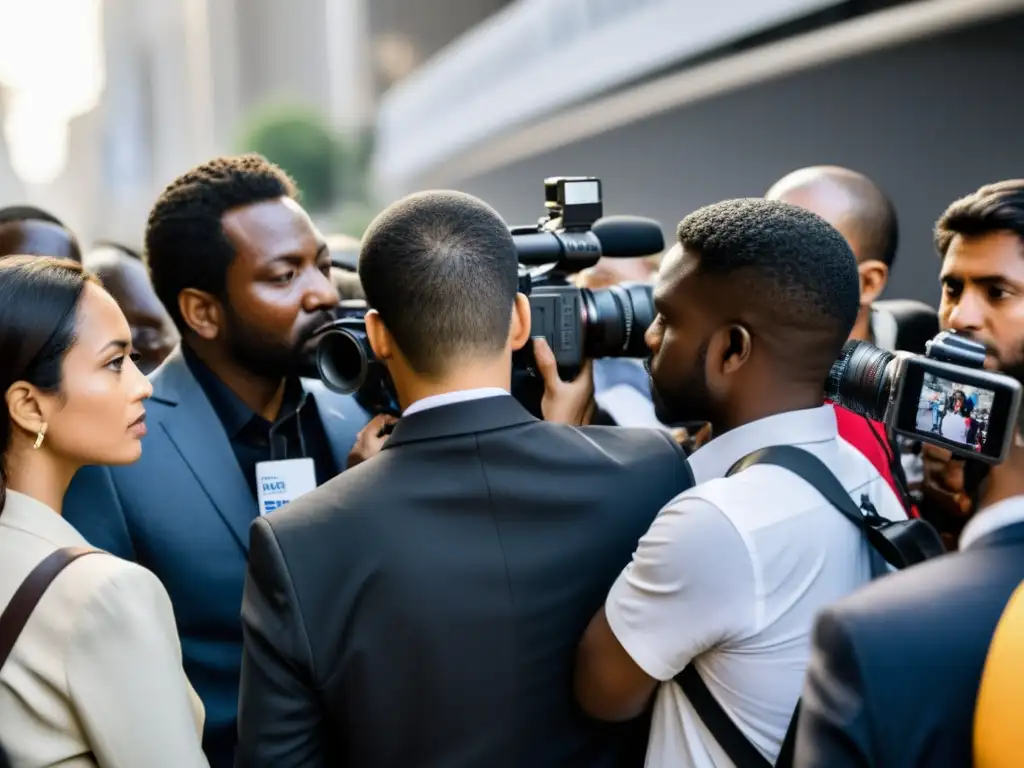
(424, 607)
(896, 667)
(754, 305)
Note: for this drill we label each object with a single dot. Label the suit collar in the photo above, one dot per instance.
(1001, 523)
(196, 432)
(464, 418)
(234, 414)
(33, 517)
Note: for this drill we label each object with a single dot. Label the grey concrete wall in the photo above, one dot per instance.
(929, 122)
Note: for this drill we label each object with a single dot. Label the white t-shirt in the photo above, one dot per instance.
(954, 427)
(732, 573)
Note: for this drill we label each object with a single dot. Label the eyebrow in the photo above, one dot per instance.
(295, 258)
(983, 280)
(120, 344)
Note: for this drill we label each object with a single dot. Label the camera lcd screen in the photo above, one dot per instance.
(957, 412)
(969, 412)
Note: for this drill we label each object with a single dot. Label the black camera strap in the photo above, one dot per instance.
(899, 543)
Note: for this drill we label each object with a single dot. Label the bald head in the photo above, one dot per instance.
(850, 202)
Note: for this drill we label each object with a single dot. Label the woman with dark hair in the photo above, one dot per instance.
(957, 424)
(90, 665)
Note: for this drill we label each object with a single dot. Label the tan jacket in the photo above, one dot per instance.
(95, 679)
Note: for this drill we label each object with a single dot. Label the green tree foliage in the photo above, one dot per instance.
(299, 140)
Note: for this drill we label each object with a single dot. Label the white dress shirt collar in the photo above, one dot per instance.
(883, 329)
(450, 398)
(812, 425)
(991, 519)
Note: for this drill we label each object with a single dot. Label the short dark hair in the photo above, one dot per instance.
(441, 269)
(186, 246)
(803, 274)
(15, 213)
(995, 207)
(39, 299)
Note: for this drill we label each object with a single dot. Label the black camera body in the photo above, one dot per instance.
(576, 322)
(944, 397)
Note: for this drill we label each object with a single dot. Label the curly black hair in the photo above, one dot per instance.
(787, 264)
(186, 246)
(995, 207)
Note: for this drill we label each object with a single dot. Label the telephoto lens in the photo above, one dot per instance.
(861, 379)
(615, 320)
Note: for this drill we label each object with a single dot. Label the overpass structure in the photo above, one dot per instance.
(678, 103)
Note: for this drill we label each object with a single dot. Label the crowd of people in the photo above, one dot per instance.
(614, 584)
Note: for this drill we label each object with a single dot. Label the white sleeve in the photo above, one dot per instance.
(125, 677)
(689, 587)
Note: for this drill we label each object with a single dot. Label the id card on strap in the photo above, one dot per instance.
(281, 482)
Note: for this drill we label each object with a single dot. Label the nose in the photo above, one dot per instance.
(652, 338)
(968, 313)
(142, 387)
(320, 295)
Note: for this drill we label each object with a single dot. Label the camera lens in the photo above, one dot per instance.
(343, 359)
(615, 320)
(860, 379)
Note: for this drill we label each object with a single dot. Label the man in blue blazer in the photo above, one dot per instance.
(244, 274)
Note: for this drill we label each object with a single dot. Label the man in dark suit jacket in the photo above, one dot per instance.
(423, 608)
(896, 667)
(244, 274)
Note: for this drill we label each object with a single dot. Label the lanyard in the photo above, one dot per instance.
(282, 441)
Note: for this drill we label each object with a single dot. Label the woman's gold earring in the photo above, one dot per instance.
(40, 435)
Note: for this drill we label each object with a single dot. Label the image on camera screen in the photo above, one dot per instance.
(958, 412)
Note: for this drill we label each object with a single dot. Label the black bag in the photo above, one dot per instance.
(898, 544)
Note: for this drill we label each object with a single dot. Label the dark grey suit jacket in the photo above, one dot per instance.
(183, 511)
(424, 608)
(895, 668)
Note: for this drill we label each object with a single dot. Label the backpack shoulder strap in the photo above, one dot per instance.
(27, 597)
(817, 474)
(812, 469)
(728, 735)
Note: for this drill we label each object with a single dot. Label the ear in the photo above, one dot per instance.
(381, 342)
(26, 409)
(519, 333)
(202, 313)
(873, 277)
(729, 349)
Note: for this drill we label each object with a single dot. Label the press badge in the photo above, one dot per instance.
(279, 482)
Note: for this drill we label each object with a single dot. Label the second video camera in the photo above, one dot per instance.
(944, 397)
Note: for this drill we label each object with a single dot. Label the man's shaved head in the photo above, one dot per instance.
(850, 202)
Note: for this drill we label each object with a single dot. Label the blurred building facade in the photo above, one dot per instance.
(181, 75)
(677, 104)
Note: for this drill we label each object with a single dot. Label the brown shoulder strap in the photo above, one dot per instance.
(16, 614)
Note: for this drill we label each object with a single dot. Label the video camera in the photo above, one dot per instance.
(944, 397)
(577, 323)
